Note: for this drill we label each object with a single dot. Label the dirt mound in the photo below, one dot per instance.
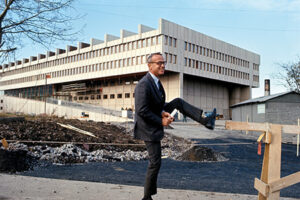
(48, 129)
(15, 161)
(202, 154)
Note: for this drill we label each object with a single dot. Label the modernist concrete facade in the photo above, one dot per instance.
(205, 71)
(282, 108)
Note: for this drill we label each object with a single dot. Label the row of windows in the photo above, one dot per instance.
(255, 78)
(214, 54)
(137, 60)
(171, 58)
(170, 41)
(92, 54)
(256, 67)
(215, 68)
(92, 68)
(38, 91)
(104, 96)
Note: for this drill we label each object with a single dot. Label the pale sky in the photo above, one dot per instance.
(270, 28)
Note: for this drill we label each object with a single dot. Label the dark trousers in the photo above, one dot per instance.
(185, 108)
(154, 147)
(154, 153)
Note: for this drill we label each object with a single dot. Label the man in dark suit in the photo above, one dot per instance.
(152, 113)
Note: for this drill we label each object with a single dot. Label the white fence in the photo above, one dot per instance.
(70, 110)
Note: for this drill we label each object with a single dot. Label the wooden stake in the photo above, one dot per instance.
(247, 122)
(298, 139)
(272, 162)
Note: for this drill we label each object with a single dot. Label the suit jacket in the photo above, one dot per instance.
(149, 103)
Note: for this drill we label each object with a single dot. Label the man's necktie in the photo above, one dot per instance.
(160, 88)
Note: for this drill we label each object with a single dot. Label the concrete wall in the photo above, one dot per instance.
(284, 109)
(251, 111)
(27, 106)
(170, 82)
(206, 95)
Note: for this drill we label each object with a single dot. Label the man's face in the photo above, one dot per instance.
(157, 65)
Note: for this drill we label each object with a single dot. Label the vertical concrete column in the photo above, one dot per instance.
(245, 93)
(180, 84)
(180, 88)
(234, 98)
(237, 95)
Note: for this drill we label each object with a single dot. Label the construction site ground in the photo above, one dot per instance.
(231, 179)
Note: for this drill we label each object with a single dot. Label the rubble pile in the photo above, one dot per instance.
(69, 153)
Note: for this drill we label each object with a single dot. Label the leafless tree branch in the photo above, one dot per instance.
(41, 21)
(290, 75)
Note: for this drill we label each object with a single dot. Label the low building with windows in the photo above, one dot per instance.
(205, 71)
(281, 108)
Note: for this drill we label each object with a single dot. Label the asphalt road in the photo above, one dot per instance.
(233, 176)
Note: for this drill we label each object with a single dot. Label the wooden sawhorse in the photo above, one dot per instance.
(270, 183)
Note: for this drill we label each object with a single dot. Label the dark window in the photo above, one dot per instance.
(92, 97)
(80, 98)
(75, 98)
(86, 98)
(98, 96)
(112, 96)
(119, 96)
(1, 108)
(105, 96)
(1, 100)
(127, 95)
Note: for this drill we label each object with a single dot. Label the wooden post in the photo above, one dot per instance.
(272, 161)
(270, 184)
(298, 138)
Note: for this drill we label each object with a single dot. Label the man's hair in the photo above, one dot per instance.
(149, 59)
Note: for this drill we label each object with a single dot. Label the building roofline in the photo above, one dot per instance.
(262, 99)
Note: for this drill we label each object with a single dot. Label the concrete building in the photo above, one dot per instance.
(282, 108)
(205, 71)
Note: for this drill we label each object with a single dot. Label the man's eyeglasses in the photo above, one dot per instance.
(160, 63)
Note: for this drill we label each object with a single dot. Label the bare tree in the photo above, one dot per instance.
(290, 76)
(41, 21)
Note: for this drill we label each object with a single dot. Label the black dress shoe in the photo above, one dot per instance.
(211, 120)
(148, 198)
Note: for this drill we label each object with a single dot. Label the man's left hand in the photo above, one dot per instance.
(167, 115)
